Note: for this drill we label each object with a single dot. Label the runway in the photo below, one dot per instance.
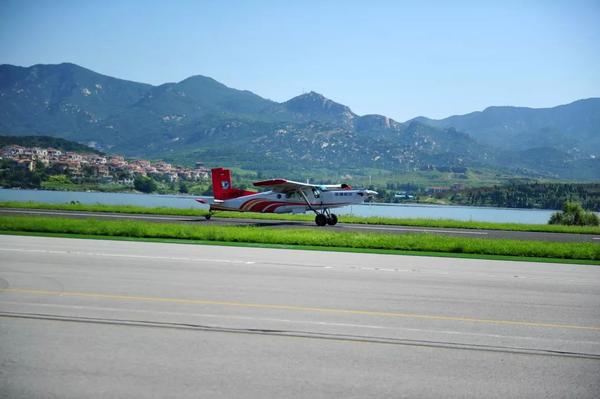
(96, 318)
(348, 227)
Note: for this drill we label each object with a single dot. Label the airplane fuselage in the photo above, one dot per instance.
(295, 202)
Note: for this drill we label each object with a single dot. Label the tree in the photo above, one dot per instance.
(183, 189)
(573, 214)
(61, 179)
(14, 175)
(144, 184)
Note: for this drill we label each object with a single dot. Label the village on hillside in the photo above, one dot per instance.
(105, 168)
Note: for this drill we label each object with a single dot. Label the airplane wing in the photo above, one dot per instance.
(283, 185)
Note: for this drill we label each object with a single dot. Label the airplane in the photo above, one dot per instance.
(283, 196)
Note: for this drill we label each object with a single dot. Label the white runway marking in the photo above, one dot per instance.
(175, 258)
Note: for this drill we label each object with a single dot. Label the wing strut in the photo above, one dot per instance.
(307, 201)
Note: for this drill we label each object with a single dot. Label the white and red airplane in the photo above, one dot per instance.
(284, 196)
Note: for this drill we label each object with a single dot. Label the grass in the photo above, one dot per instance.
(439, 223)
(104, 208)
(362, 242)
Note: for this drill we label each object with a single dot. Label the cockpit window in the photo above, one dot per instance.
(316, 192)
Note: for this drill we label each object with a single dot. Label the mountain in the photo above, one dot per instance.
(199, 96)
(175, 111)
(63, 99)
(562, 141)
(202, 119)
(572, 128)
(314, 106)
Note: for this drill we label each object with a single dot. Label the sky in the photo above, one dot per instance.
(401, 59)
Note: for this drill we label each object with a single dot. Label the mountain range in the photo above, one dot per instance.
(202, 119)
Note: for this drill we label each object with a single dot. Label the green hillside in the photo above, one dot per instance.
(46, 142)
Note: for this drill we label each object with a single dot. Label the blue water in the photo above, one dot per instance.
(483, 214)
(474, 213)
(58, 197)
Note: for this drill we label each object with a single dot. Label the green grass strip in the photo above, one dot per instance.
(308, 248)
(439, 223)
(302, 237)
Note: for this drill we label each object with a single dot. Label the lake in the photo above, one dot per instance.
(483, 214)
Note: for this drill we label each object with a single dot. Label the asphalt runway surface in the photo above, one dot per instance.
(98, 318)
(493, 234)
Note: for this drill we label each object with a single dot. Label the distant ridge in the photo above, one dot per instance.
(565, 126)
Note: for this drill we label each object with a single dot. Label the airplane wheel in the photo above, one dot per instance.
(321, 220)
(332, 221)
(207, 217)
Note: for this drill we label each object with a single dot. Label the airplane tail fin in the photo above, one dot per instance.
(222, 188)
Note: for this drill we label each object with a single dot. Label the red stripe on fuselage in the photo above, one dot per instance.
(246, 205)
(266, 206)
(259, 206)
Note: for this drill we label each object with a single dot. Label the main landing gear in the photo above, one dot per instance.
(326, 217)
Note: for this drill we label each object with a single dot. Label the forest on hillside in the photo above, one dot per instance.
(529, 195)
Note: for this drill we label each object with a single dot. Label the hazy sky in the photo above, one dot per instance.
(400, 59)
